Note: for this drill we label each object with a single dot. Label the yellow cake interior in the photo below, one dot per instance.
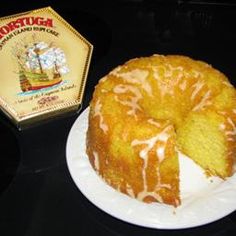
(201, 138)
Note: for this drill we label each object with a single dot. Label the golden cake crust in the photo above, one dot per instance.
(136, 112)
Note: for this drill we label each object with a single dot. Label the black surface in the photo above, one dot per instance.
(37, 195)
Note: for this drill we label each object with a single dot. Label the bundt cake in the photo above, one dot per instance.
(146, 111)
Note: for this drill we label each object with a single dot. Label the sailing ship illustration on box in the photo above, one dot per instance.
(41, 65)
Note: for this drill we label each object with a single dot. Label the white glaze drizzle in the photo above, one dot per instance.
(142, 195)
(161, 153)
(158, 55)
(177, 202)
(166, 89)
(222, 112)
(183, 85)
(97, 112)
(196, 74)
(96, 161)
(104, 91)
(153, 122)
(130, 191)
(132, 102)
(167, 83)
(103, 79)
(227, 84)
(106, 161)
(197, 87)
(204, 102)
(136, 76)
(233, 131)
(156, 75)
(115, 72)
(222, 126)
(169, 70)
(162, 137)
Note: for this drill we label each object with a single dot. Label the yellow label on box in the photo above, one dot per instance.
(44, 64)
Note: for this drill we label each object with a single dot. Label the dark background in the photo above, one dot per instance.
(37, 194)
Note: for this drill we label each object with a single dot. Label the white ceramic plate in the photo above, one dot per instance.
(204, 200)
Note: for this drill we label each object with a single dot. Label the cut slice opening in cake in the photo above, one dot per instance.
(202, 139)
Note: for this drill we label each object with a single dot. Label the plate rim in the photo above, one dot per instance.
(84, 114)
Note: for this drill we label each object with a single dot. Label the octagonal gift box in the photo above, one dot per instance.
(44, 66)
